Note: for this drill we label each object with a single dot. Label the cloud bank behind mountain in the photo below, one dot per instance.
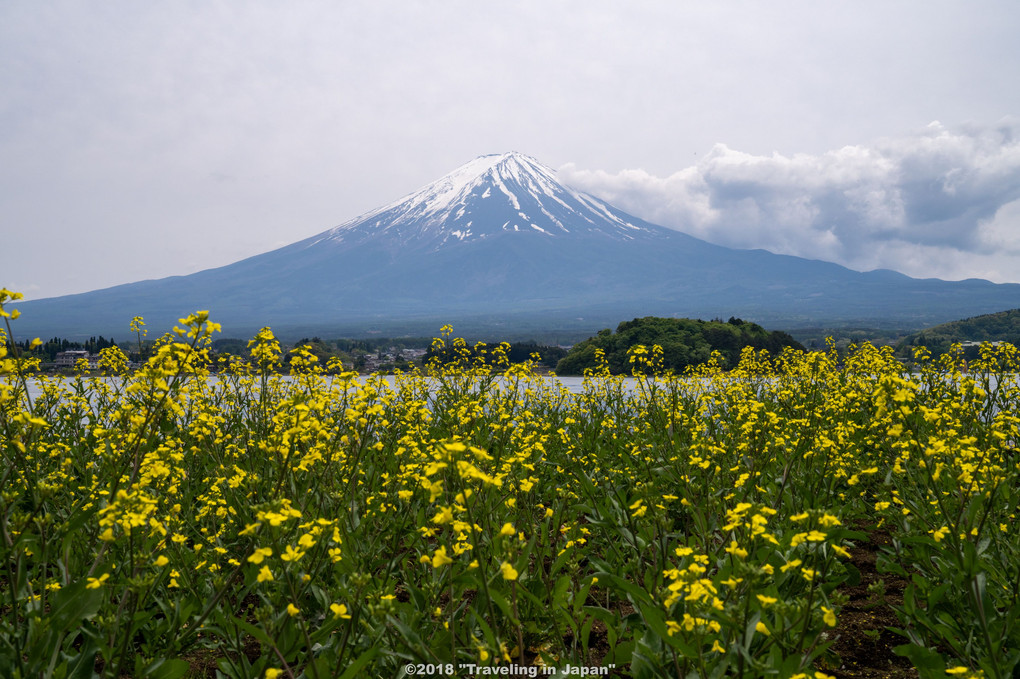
(937, 203)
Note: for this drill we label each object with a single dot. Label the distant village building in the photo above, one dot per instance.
(391, 355)
(68, 359)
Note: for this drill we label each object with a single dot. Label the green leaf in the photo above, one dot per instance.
(256, 632)
(504, 605)
(412, 641)
(355, 667)
(82, 665)
(751, 629)
(166, 669)
(621, 654)
(533, 592)
(490, 636)
(853, 574)
(559, 593)
(643, 662)
(581, 597)
(909, 605)
(636, 595)
(586, 633)
(886, 565)
(73, 604)
(928, 662)
(936, 595)
(655, 618)
(71, 530)
(558, 564)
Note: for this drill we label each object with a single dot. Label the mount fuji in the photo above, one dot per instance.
(498, 242)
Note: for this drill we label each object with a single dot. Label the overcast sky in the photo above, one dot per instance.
(141, 140)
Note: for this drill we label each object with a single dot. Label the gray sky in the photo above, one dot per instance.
(141, 140)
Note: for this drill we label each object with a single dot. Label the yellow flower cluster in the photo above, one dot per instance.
(703, 522)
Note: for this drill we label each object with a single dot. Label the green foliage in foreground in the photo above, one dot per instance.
(318, 526)
(684, 343)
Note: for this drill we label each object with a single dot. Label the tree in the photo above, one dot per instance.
(684, 342)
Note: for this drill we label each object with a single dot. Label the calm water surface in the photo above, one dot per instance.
(573, 384)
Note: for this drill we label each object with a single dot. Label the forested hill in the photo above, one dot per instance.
(685, 342)
(1003, 326)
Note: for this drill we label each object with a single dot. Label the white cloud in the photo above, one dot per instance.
(1001, 233)
(937, 203)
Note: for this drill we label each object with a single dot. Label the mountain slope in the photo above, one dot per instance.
(500, 238)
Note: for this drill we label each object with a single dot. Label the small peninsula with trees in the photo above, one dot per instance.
(1003, 326)
(684, 342)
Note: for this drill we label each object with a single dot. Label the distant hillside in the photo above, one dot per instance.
(685, 342)
(1003, 326)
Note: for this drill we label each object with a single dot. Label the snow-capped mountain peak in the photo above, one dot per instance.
(490, 195)
(500, 242)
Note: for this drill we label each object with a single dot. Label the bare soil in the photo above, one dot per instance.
(862, 641)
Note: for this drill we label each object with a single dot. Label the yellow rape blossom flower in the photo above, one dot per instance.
(736, 550)
(291, 554)
(440, 558)
(841, 551)
(509, 572)
(96, 583)
(443, 516)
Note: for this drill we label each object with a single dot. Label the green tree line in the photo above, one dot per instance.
(684, 342)
(48, 350)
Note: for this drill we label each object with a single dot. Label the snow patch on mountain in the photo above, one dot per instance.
(492, 194)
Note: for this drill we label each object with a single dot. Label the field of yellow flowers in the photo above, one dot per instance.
(461, 521)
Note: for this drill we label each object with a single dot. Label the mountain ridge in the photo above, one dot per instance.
(501, 237)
